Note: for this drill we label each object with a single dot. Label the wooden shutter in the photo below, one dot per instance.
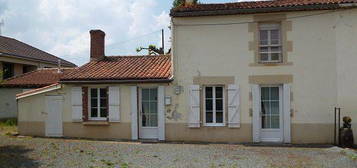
(76, 100)
(161, 112)
(194, 113)
(134, 112)
(256, 112)
(114, 104)
(286, 111)
(233, 106)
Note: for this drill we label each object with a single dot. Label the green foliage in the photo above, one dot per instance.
(9, 122)
(152, 49)
(177, 3)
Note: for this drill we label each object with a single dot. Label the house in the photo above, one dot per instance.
(31, 80)
(17, 58)
(264, 71)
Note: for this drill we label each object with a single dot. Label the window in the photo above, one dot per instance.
(270, 48)
(270, 101)
(149, 107)
(8, 70)
(98, 104)
(214, 105)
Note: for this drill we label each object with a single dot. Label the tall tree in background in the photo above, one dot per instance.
(178, 3)
(152, 49)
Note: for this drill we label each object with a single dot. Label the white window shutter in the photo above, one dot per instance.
(233, 106)
(76, 104)
(161, 112)
(134, 112)
(194, 113)
(114, 104)
(256, 112)
(286, 115)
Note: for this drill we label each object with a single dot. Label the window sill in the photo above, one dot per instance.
(214, 125)
(270, 64)
(96, 123)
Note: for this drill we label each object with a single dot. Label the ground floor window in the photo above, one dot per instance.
(98, 103)
(214, 105)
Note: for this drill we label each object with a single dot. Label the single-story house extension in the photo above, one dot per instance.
(263, 71)
(31, 80)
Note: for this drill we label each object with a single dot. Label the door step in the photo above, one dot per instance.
(148, 140)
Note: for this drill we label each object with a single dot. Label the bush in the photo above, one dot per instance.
(10, 122)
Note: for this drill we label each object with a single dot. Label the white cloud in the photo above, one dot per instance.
(61, 27)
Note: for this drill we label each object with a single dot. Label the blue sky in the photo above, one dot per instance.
(61, 27)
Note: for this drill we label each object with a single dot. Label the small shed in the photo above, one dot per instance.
(18, 84)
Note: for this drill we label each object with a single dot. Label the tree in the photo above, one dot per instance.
(152, 49)
(178, 3)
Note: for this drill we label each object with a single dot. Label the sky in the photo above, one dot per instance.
(61, 27)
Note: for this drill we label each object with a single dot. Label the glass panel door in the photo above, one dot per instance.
(270, 102)
(149, 107)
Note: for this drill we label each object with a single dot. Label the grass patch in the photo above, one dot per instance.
(8, 127)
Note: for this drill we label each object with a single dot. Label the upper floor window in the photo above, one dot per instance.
(8, 70)
(98, 104)
(270, 47)
(214, 105)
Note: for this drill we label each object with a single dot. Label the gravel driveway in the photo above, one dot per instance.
(44, 152)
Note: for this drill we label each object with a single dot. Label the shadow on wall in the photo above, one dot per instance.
(16, 156)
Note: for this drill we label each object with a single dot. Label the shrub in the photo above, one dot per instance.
(11, 122)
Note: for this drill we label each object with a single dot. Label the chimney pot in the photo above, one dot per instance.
(97, 41)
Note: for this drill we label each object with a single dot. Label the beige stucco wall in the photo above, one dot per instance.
(8, 105)
(32, 111)
(318, 46)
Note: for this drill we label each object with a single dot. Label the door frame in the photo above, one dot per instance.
(286, 112)
(47, 100)
(281, 118)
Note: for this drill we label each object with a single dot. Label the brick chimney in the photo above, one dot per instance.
(96, 45)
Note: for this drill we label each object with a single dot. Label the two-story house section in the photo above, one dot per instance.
(17, 58)
(287, 62)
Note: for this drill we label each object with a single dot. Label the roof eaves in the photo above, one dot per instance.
(33, 92)
(117, 81)
(36, 59)
(174, 13)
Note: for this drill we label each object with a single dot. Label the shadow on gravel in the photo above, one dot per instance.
(12, 156)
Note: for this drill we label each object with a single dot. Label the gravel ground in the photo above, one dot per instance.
(45, 152)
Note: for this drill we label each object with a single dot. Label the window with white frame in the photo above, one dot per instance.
(214, 105)
(98, 103)
(270, 47)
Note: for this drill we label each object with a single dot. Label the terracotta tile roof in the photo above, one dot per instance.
(14, 48)
(124, 68)
(35, 79)
(257, 7)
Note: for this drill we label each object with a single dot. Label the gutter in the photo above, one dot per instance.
(32, 59)
(117, 81)
(260, 10)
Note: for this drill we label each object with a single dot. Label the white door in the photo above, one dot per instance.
(54, 116)
(271, 116)
(148, 113)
